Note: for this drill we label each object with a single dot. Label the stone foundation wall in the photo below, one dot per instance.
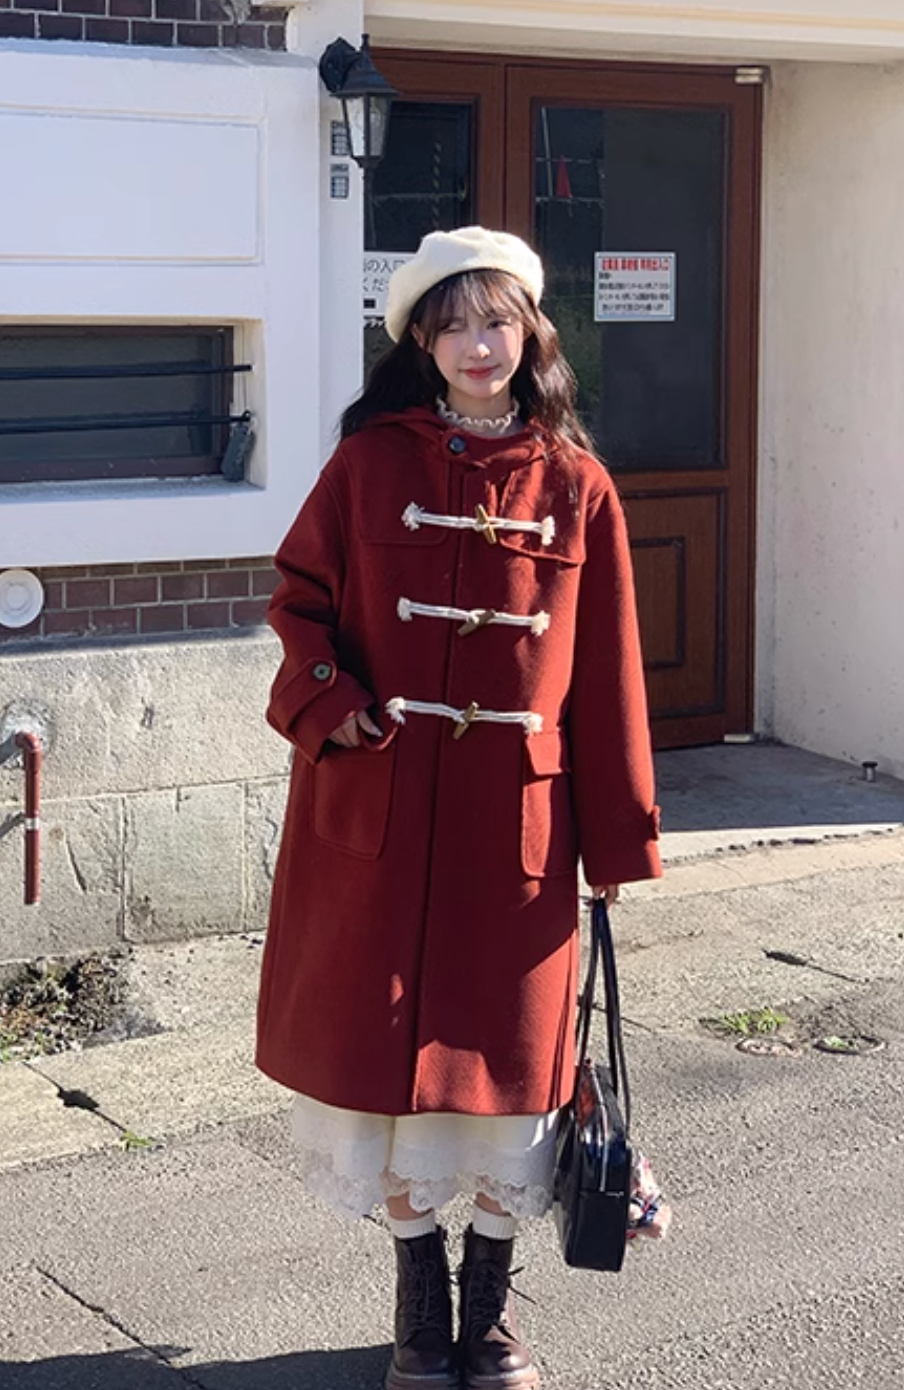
(163, 793)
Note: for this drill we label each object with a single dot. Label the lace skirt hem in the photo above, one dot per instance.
(354, 1161)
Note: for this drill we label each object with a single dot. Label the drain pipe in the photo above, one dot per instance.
(30, 745)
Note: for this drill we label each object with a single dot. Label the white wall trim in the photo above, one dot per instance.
(341, 358)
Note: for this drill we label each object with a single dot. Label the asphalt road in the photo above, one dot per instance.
(201, 1262)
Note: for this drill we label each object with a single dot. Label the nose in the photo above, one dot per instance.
(479, 347)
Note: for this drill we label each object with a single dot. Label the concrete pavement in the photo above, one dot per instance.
(199, 1260)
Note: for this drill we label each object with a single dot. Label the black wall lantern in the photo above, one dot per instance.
(349, 74)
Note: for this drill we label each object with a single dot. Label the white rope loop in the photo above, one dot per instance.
(415, 517)
(538, 623)
(398, 707)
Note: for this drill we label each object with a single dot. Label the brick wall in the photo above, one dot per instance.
(163, 23)
(143, 600)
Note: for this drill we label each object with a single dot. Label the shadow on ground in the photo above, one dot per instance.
(770, 786)
(355, 1368)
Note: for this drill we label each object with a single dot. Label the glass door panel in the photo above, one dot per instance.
(641, 181)
(443, 167)
(424, 184)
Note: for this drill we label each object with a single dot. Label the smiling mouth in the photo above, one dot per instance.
(479, 371)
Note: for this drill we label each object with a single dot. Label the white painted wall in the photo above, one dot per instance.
(831, 548)
(341, 356)
(181, 187)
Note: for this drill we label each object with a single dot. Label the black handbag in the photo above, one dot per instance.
(592, 1179)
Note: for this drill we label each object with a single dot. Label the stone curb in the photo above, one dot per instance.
(140, 1091)
(782, 862)
(202, 1073)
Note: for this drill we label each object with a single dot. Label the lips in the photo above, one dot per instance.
(478, 373)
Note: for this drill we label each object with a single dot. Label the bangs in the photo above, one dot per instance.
(489, 293)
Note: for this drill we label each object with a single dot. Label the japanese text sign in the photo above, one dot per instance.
(634, 286)
(378, 266)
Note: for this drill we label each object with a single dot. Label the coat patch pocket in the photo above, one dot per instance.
(350, 798)
(548, 833)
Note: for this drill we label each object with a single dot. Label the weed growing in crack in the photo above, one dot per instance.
(136, 1143)
(748, 1023)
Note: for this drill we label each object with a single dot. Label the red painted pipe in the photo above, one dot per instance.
(31, 751)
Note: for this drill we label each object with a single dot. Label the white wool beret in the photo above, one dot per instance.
(441, 254)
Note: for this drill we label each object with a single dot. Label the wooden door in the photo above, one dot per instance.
(662, 165)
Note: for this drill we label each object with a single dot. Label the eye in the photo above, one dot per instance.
(453, 326)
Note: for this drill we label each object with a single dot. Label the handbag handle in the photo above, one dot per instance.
(602, 948)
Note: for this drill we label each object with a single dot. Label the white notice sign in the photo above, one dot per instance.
(378, 266)
(634, 286)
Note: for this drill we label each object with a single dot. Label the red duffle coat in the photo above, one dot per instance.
(422, 952)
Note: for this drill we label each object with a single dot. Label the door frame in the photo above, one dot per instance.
(496, 82)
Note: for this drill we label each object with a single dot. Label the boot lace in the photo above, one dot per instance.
(425, 1296)
(487, 1295)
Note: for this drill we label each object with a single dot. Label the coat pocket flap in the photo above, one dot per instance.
(548, 503)
(547, 753)
(565, 549)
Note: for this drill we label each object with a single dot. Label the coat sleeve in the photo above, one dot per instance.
(612, 762)
(311, 696)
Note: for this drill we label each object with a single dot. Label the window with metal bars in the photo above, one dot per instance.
(93, 402)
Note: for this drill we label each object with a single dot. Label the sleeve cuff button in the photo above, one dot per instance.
(322, 671)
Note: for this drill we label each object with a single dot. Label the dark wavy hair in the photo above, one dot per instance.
(544, 385)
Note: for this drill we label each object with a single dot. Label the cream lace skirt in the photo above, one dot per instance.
(354, 1160)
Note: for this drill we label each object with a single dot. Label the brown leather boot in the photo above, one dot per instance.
(492, 1353)
(423, 1357)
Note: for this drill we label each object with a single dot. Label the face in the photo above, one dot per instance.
(477, 355)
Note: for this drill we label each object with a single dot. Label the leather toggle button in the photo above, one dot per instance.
(322, 671)
(484, 524)
(467, 720)
(457, 445)
(480, 619)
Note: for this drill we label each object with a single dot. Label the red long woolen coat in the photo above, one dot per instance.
(423, 944)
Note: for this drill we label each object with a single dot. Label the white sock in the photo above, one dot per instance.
(487, 1223)
(415, 1226)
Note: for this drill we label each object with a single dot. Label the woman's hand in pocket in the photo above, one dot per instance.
(348, 735)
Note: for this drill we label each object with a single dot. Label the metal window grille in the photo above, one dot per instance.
(80, 402)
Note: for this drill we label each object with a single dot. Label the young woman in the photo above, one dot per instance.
(462, 683)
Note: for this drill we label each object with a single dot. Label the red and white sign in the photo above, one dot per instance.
(634, 286)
